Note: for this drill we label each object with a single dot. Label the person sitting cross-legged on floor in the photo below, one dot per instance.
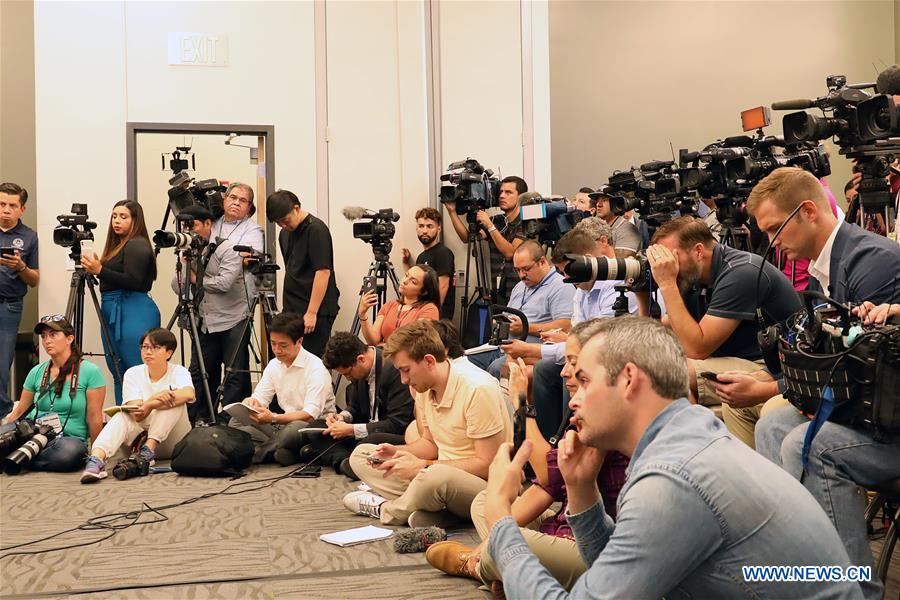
(161, 392)
(546, 530)
(303, 386)
(464, 421)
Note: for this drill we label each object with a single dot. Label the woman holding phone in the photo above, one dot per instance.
(419, 298)
(126, 271)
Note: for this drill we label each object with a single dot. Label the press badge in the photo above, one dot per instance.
(51, 419)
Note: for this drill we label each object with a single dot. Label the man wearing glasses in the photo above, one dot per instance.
(541, 295)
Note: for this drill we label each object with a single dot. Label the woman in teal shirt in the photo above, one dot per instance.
(65, 392)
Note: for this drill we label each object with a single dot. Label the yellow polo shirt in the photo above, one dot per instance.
(470, 409)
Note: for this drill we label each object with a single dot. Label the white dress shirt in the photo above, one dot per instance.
(305, 385)
(821, 267)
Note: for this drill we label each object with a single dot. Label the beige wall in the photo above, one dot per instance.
(627, 78)
(17, 116)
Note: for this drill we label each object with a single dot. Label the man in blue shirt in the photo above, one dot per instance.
(541, 295)
(698, 507)
(18, 272)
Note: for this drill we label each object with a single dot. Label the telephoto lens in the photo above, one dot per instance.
(16, 461)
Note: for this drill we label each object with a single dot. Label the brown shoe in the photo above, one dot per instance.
(452, 558)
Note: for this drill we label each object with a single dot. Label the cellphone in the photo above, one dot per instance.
(87, 247)
(368, 284)
(7, 251)
(374, 460)
(711, 376)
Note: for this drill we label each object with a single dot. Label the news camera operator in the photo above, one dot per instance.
(848, 264)
(126, 270)
(66, 393)
(436, 255)
(583, 201)
(627, 234)
(18, 272)
(502, 243)
(309, 283)
(710, 292)
(216, 279)
(541, 295)
(235, 225)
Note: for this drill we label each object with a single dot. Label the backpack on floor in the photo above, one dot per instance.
(213, 451)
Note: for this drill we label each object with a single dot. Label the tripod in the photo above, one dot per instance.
(483, 287)
(75, 315)
(265, 297)
(186, 316)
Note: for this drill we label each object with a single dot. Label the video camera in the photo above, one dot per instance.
(184, 239)
(72, 229)
(653, 190)
(547, 219)
(374, 227)
(186, 191)
(471, 187)
(863, 125)
(260, 263)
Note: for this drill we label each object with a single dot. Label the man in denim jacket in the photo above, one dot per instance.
(697, 507)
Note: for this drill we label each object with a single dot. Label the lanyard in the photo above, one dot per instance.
(526, 295)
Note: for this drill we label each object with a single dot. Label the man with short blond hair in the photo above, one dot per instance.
(464, 422)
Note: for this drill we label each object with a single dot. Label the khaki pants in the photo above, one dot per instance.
(741, 422)
(706, 395)
(166, 426)
(559, 555)
(437, 488)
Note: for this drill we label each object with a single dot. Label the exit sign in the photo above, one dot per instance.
(198, 49)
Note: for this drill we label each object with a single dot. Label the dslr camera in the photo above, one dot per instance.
(182, 240)
(72, 229)
(28, 439)
(634, 271)
(471, 187)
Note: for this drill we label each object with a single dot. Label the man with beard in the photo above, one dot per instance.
(436, 255)
(711, 297)
(699, 512)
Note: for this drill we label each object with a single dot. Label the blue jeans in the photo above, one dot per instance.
(10, 316)
(773, 428)
(486, 360)
(142, 315)
(840, 460)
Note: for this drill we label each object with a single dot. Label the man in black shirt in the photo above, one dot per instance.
(711, 299)
(502, 243)
(309, 284)
(436, 255)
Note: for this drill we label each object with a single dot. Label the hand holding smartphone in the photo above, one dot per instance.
(711, 376)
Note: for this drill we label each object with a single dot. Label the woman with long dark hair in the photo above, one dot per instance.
(126, 271)
(64, 392)
(419, 299)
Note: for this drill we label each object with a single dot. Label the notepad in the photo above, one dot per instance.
(480, 349)
(241, 413)
(357, 535)
(125, 408)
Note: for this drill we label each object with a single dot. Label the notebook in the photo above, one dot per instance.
(357, 535)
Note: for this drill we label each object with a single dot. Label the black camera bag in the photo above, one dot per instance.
(213, 451)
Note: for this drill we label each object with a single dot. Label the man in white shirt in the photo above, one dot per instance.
(303, 386)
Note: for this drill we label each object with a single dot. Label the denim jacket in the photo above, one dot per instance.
(698, 506)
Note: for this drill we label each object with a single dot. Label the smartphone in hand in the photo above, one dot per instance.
(711, 376)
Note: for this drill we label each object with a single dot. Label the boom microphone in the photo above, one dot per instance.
(353, 213)
(798, 104)
(417, 539)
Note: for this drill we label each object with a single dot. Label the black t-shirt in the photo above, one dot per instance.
(306, 250)
(133, 268)
(441, 259)
(733, 295)
(503, 274)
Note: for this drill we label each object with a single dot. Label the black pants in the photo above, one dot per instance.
(315, 342)
(217, 349)
(333, 452)
(551, 398)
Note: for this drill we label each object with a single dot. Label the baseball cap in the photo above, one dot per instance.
(56, 323)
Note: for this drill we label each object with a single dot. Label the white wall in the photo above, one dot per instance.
(629, 77)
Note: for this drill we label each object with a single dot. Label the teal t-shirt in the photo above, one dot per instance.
(72, 412)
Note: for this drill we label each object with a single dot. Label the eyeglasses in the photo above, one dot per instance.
(238, 199)
(524, 270)
(53, 318)
(149, 348)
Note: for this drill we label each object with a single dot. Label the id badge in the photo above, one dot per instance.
(51, 419)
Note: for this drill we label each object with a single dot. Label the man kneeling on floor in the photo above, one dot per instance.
(303, 386)
(464, 422)
(698, 504)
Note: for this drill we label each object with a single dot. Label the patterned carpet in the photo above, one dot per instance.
(258, 544)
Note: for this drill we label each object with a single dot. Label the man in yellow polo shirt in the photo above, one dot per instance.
(464, 422)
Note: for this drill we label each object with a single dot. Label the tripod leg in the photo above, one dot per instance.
(229, 365)
(195, 342)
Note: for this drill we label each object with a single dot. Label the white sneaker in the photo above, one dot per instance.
(367, 504)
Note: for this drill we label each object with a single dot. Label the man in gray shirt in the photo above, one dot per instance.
(626, 233)
(237, 226)
(216, 278)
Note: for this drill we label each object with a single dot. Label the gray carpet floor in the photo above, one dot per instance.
(258, 544)
(262, 543)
